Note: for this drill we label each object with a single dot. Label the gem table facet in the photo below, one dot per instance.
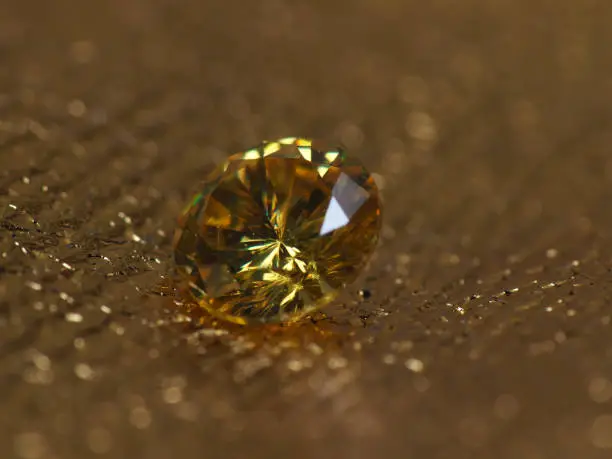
(277, 231)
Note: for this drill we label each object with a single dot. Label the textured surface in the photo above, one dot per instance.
(487, 329)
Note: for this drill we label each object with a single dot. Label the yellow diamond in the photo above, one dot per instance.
(277, 231)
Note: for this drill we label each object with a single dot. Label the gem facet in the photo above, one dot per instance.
(277, 231)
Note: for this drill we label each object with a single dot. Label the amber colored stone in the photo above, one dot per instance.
(277, 231)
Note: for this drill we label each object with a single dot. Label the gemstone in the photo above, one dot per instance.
(277, 231)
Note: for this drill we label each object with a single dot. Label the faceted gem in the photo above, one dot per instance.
(277, 231)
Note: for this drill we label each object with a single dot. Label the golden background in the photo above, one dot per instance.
(487, 332)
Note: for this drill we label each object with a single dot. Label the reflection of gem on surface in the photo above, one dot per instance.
(277, 231)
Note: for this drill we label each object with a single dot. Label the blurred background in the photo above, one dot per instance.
(482, 327)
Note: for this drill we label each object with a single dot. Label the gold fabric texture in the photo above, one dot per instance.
(480, 328)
